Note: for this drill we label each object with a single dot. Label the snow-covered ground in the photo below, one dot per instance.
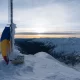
(66, 50)
(43, 66)
(40, 66)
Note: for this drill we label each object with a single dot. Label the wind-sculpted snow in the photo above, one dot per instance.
(64, 49)
(37, 67)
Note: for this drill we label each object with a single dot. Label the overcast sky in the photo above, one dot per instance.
(42, 15)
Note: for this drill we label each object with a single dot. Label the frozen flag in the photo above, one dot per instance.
(5, 43)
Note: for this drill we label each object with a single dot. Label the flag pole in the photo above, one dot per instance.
(20, 58)
(11, 26)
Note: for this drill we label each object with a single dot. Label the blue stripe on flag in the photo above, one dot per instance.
(6, 34)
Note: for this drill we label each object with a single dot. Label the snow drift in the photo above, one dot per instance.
(66, 50)
(40, 66)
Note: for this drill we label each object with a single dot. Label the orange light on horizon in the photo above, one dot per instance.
(45, 36)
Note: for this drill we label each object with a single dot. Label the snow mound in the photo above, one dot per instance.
(37, 67)
(43, 55)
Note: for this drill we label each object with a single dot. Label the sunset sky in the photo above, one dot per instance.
(42, 15)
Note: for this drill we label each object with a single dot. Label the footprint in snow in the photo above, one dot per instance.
(28, 69)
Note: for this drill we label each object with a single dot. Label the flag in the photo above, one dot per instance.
(5, 43)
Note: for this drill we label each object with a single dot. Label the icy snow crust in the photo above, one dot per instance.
(40, 66)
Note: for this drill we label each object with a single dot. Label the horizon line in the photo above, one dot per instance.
(48, 33)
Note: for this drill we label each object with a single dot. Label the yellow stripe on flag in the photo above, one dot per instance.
(5, 47)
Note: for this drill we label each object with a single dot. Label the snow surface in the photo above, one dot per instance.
(40, 66)
(14, 55)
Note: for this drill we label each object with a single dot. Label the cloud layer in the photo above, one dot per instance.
(53, 15)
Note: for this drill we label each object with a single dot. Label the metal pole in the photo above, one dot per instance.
(11, 25)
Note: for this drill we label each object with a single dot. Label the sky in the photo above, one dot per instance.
(42, 15)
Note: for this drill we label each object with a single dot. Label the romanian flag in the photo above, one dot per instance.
(5, 43)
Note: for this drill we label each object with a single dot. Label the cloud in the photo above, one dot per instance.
(56, 16)
(53, 15)
(31, 3)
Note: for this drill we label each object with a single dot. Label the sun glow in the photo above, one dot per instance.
(50, 18)
(39, 30)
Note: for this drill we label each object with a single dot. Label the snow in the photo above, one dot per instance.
(14, 55)
(66, 45)
(40, 66)
(43, 66)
